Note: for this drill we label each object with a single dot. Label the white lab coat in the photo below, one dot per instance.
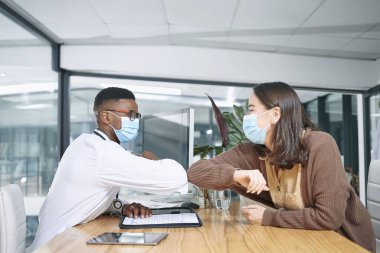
(88, 177)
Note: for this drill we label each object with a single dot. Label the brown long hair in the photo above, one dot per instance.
(288, 148)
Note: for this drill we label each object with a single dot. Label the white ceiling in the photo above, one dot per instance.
(329, 28)
(12, 34)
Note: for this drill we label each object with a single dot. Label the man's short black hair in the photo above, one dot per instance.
(112, 94)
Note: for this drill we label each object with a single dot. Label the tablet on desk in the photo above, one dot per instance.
(128, 238)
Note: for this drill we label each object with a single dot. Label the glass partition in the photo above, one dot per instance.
(156, 97)
(28, 109)
(328, 111)
(28, 112)
(336, 113)
(374, 124)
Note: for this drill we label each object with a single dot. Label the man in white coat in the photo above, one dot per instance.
(95, 166)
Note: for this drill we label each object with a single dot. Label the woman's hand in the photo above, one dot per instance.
(253, 180)
(253, 213)
(136, 209)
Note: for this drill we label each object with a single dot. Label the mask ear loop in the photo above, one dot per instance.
(116, 116)
(266, 128)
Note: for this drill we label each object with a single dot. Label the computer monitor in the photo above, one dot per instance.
(170, 135)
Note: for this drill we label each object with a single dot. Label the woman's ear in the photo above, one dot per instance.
(275, 115)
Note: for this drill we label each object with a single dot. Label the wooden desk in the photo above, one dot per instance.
(222, 231)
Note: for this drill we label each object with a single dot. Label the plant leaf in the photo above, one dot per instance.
(222, 125)
(218, 150)
(236, 124)
(239, 112)
(198, 150)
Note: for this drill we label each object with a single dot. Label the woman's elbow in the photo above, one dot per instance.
(331, 222)
(195, 173)
(191, 177)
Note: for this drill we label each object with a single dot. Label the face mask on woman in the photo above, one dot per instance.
(129, 129)
(254, 133)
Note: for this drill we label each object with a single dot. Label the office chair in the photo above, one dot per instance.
(373, 198)
(12, 220)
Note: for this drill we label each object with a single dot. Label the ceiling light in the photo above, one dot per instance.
(231, 94)
(2, 74)
(151, 97)
(146, 89)
(27, 88)
(33, 106)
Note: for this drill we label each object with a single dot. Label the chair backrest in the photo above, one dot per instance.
(373, 198)
(12, 220)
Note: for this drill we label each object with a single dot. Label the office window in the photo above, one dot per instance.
(374, 124)
(336, 113)
(28, 109)
(28, 112)
(311, 109)
(155, 97)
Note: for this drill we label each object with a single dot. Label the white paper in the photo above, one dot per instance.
(152, 204)
(163, 219)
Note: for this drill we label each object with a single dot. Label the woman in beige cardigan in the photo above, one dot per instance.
(289, 165)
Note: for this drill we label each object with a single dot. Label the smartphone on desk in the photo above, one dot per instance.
(128, 238)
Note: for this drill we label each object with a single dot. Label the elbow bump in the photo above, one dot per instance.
(190, 178)
(180, 177)
(184, 178)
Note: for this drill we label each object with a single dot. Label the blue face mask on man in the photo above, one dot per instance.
(251, 130)
(129, 129)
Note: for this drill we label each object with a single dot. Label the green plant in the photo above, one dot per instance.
(230, 128)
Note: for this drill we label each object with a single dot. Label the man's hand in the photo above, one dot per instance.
(136, 209)
(253, 213)
(149, 155)
(253, 180)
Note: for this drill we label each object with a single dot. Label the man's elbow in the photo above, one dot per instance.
(181, 179)
(178, 177)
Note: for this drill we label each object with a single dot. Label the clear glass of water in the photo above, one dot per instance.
(222, 199)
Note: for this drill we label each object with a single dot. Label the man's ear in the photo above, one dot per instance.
(103, 117)
(275, 115)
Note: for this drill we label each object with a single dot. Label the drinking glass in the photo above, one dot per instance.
(222, 199)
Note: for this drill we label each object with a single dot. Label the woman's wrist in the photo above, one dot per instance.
(235, 175)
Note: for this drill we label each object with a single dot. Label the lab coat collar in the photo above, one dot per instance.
(100, 133)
